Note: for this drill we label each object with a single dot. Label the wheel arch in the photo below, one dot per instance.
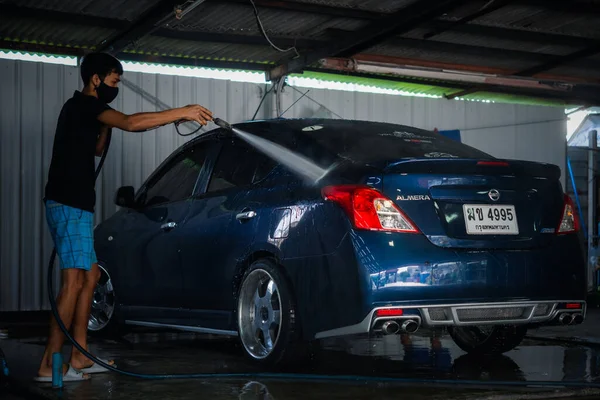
(260, 253)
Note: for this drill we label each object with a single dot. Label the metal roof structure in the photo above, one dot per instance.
(540, 49)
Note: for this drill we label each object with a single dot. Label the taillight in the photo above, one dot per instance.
(569, 222)
(369, 209)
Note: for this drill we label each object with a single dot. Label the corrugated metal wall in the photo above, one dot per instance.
(31, 95)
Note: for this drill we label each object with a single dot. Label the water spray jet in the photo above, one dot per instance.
(295, 162)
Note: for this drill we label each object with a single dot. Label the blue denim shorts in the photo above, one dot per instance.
(72, 231)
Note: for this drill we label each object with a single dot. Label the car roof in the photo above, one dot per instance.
(302, 123)
(274, 129)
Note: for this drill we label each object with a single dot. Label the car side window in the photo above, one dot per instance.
(177, 180)
(239, 165)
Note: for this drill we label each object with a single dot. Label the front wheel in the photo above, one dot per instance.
(102, 320)
(267, 323)
(488, 340)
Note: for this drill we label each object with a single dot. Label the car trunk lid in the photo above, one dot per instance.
(485, 204)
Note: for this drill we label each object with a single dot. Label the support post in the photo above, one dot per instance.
(591, 208)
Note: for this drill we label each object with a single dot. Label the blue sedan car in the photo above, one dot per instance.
(409, 229)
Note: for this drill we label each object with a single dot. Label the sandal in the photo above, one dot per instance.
(97, 369)
(72, 375)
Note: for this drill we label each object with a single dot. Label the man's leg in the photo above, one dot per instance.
(82, 316)
(62, 223)
(72, 281)
(90, 279)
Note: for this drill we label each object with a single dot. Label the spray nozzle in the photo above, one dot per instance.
(223, 124)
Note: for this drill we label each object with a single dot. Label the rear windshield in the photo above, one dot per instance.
(362, 142)
(392, 144)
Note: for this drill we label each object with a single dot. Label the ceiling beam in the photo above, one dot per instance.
(482, 51)
(144, 25)
(521, 35)
(12, 11)
(125, 56)
(191, 62)
(355, 42)
(464, 67)
(551, 64)
(309, 8)
(402, 79)
(41, 48)
(561, 60)
(492, 52)
(236, 38)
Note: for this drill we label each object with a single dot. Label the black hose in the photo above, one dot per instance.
(177, 123)
(275, 376)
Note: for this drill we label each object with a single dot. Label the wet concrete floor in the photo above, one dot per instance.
(417, 360)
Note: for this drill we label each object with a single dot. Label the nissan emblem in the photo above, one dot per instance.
(494, 195)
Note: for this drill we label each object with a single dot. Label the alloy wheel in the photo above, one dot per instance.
(103, 302)
(259, 314)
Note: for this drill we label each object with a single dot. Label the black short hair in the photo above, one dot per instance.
(102, 64)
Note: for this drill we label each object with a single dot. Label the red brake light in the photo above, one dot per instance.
(493, 163)
(369, 209)
(389, 312)
(573, 305)
(569, 222)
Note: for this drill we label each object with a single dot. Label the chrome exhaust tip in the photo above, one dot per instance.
(565, 319)
(577, 319)
(410, 326)
(390, 327)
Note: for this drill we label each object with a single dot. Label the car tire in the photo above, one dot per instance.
(492, 340)
(103, 320)
(268, 327)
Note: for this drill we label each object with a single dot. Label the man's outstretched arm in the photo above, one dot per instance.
(149, 120)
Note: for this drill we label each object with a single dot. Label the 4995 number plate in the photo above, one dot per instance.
(490, 219)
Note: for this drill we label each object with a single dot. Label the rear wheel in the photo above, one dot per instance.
(267, 324)
(102, 320)
(488, 340)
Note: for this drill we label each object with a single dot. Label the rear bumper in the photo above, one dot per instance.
(438, 315)
(409, 268)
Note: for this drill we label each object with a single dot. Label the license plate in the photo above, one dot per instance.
(490, 219)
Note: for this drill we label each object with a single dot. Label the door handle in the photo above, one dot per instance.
(246, 215)
(168, 226)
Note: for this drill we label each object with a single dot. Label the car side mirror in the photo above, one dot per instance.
(125, 197)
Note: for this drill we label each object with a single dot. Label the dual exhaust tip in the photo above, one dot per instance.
(570, 319)
(411, 326)
(393, 327)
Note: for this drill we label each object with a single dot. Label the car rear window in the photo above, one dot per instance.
(324, 141)
(363, 145)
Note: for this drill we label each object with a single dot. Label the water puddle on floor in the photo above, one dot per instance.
(420, 358)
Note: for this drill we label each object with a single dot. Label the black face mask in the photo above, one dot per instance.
(106, 93)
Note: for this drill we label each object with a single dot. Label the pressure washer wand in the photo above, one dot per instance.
(223, 124)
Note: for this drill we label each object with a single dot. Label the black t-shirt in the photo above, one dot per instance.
(72, 169)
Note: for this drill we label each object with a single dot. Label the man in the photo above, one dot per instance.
(70, 197)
